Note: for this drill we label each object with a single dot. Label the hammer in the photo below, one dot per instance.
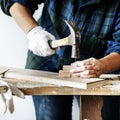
(75, 47)
(73, 40)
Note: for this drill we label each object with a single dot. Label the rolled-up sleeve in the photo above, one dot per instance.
(114, 45)
(31, 4)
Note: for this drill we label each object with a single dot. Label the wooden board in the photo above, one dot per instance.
(47, 83)
(37, 77)
(50, 78)
(3, 70)
(91, 107)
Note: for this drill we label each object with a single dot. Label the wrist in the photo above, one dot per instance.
(34, 28)
(105, 65)
(33, 31)
(111, 62)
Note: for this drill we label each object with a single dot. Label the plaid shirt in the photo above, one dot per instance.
(98, 21)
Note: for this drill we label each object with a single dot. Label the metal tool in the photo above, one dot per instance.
(72, 40)
(75, 47)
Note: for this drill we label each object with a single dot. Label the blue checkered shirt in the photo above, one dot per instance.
(97, 20)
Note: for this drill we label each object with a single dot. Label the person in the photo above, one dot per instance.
(99, 25)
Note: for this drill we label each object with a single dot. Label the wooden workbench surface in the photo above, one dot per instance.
(33, 82)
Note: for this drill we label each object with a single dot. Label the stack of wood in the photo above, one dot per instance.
(65, 72)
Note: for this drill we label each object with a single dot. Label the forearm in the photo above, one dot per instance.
(23, 17)
(111, 62)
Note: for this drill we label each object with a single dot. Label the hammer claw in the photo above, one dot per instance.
(73, 39)
(76, 47)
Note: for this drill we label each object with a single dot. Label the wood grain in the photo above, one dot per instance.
(50, 78)
(91, 107)
(50, 83)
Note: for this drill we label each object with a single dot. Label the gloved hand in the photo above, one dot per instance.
(89, 68)
(6, 99)
(38, 41)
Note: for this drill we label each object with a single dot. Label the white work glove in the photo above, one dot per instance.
(6, 99)
(38, 41)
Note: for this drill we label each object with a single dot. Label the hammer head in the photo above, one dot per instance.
(74, 39)
(71, 37)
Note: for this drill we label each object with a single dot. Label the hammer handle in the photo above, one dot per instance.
(57, 43)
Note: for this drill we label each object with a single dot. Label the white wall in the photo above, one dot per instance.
(13, 46)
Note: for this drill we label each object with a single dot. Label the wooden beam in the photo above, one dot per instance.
(91, 107)
(50, 83)
(49, 78)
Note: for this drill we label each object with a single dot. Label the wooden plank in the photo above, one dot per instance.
(33, 82)
(38, 88)
(50, 83)
(91, 107)
(3, 70)
(110, 76)
(49, 77)
(64, 74)
(67, 68)
(44, 77)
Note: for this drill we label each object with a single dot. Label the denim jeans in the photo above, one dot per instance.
(111, 108)
(53, 107)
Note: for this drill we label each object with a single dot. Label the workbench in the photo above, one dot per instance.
(33, 82)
